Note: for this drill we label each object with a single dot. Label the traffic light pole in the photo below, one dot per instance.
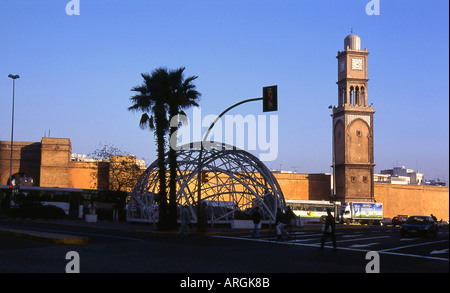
(224, 112)
(200, 165)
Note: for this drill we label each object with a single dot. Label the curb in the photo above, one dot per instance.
(45, 236)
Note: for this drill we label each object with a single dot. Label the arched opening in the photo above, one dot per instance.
(21, 179)
(357, 99)
(363, 97)
(342, 98)
(351, 95)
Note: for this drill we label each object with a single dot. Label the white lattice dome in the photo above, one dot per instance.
(237, 182)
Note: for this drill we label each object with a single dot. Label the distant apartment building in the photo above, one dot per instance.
(399, 175)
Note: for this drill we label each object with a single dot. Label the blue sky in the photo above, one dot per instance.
(77, 71)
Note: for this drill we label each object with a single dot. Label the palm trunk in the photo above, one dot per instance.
(172, 182)
(162, 194)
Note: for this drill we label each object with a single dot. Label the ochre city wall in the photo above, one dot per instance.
(82, 174)
(397, 199)
(55, 158)
(304, 186)
(413, 200)
(26, 158)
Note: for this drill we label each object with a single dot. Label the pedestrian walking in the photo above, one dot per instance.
(202, 220)
(185, 221)
(256, 218)
(329, 230)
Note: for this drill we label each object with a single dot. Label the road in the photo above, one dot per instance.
(384, 240)
(120, 251)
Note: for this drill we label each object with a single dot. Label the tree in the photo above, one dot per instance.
(151, 101)
(183, 95)
(121, 169)
(118, 172)
(162, 96)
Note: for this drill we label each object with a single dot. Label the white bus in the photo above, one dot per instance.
(312, 210)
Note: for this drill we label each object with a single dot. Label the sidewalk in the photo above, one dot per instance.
(151, 228)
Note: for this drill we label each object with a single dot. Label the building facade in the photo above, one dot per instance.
(400, 175)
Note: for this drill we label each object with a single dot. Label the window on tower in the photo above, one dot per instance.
(363, 97)
(357, 101)
(351, 95)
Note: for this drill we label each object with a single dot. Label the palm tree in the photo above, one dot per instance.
(184, 95)
(151, 101)
(163, 95)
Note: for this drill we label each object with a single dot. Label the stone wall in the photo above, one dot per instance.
(397, 199)
(55, 158)
(26, 159)
(413, 200)
(305, 186)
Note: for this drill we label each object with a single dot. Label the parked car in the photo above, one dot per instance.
(386, 221)
(399, 220)
(443, 224)
(421, 225)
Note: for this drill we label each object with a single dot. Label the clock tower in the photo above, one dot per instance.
(353, 162)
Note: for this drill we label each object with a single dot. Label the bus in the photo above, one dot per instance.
(64, 198)
(74, 201)
(313, 210)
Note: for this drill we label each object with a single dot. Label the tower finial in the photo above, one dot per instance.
(351, 30)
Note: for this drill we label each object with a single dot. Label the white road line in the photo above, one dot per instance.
(439, 251)
(363, 245)
(408, 239)
(413, 245)
(367, 238)
(351, 236)
(339, 248)
(413, 255)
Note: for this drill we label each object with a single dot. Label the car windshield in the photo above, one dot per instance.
(417, 220)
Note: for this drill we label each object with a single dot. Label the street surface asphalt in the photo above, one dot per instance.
(28, 246)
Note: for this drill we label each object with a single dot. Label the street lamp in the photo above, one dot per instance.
(333, 158)
(14, 77)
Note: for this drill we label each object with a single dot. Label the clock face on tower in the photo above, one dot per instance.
(357, 64)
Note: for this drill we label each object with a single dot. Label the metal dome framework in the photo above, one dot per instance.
(237, 183)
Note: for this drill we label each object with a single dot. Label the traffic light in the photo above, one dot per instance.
(270, 98)
(204, 176)
(11, 187)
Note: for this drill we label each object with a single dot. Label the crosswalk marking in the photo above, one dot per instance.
(413, 245)
(364, 245)
(312, 239)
